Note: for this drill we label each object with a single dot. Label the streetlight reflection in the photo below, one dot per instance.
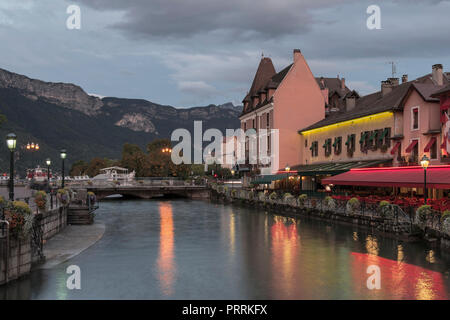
(166, 264)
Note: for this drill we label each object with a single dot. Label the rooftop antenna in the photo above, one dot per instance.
(393, 67)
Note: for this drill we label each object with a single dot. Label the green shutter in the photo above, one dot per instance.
(363, 137)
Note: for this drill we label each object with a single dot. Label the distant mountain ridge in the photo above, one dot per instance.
(63, 115)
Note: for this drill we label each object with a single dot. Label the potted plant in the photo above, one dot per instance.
(385, 209)
(63, 196)
(330, 203)
(422, 214)
(40, 198)
(301, 200)
(352, 205)
(20, 218)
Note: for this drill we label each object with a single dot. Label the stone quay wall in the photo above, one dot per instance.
(394, 221)
(18, 255)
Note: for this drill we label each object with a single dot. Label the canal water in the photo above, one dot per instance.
(182, 249)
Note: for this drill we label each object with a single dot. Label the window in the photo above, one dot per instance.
(387, 137)
(314, 149)
(267, 119)
(379, 141)
(433, 150)
(245, 126)
(350, 143)
(364, 140)
(337, 145)
(372, 136)
(253, 123)
(306, 143)
(415, 118)
(327, 147)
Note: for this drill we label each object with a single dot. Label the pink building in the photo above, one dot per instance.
(288, 100)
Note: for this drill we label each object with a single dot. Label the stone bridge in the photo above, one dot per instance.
(148, 192)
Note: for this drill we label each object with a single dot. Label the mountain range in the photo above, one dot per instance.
(63, 115)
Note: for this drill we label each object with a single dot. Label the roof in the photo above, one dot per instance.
(335, 167)
(271, 83)
(263, 74)
(437, 177)
(445, 89)
(334, 85)
(267, 179)
(114, 168)
(375, 102)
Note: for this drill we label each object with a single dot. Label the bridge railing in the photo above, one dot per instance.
(138, 182)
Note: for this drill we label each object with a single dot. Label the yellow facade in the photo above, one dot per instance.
(374, 131)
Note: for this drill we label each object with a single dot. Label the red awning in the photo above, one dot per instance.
(412, 177)
(446, 104)
(395, 148)
(411, 146)
(430, 144)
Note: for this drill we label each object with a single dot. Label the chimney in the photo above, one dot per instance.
(386, 87)
(297, 55)
(350, 103)
(404, 78)
(437, 75)
(343, 83)
(394, 81)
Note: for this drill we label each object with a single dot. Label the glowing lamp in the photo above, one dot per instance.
(424, 162)
(11, 140)
(48, 162)
(63, 154)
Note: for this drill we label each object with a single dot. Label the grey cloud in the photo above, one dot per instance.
(240, 18)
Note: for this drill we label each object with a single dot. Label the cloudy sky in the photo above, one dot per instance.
(195, 52)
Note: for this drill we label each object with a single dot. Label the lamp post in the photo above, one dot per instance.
(11, 140)
(48, 162)
(232, 179)
(63, 157)
(424, 162)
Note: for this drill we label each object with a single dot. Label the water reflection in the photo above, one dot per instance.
(165, 262)
(183, 249)
(285, 246)
(399, 280)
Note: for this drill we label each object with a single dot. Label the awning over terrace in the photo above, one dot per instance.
(334, 168)
(411, 177)
(267, 179)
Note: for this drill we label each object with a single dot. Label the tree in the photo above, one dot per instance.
(79, 168)
(133, 158)
(98, 163)
(160, 163)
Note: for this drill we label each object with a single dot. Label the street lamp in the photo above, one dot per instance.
(424, 162)
(11, 141)
(63, 157)
(232, 179)
(48, 162)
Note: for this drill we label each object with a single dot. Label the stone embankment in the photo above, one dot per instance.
(387, 219)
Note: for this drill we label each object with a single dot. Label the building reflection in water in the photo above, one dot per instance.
(399, 280)
(166, 263)
(284, 250)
